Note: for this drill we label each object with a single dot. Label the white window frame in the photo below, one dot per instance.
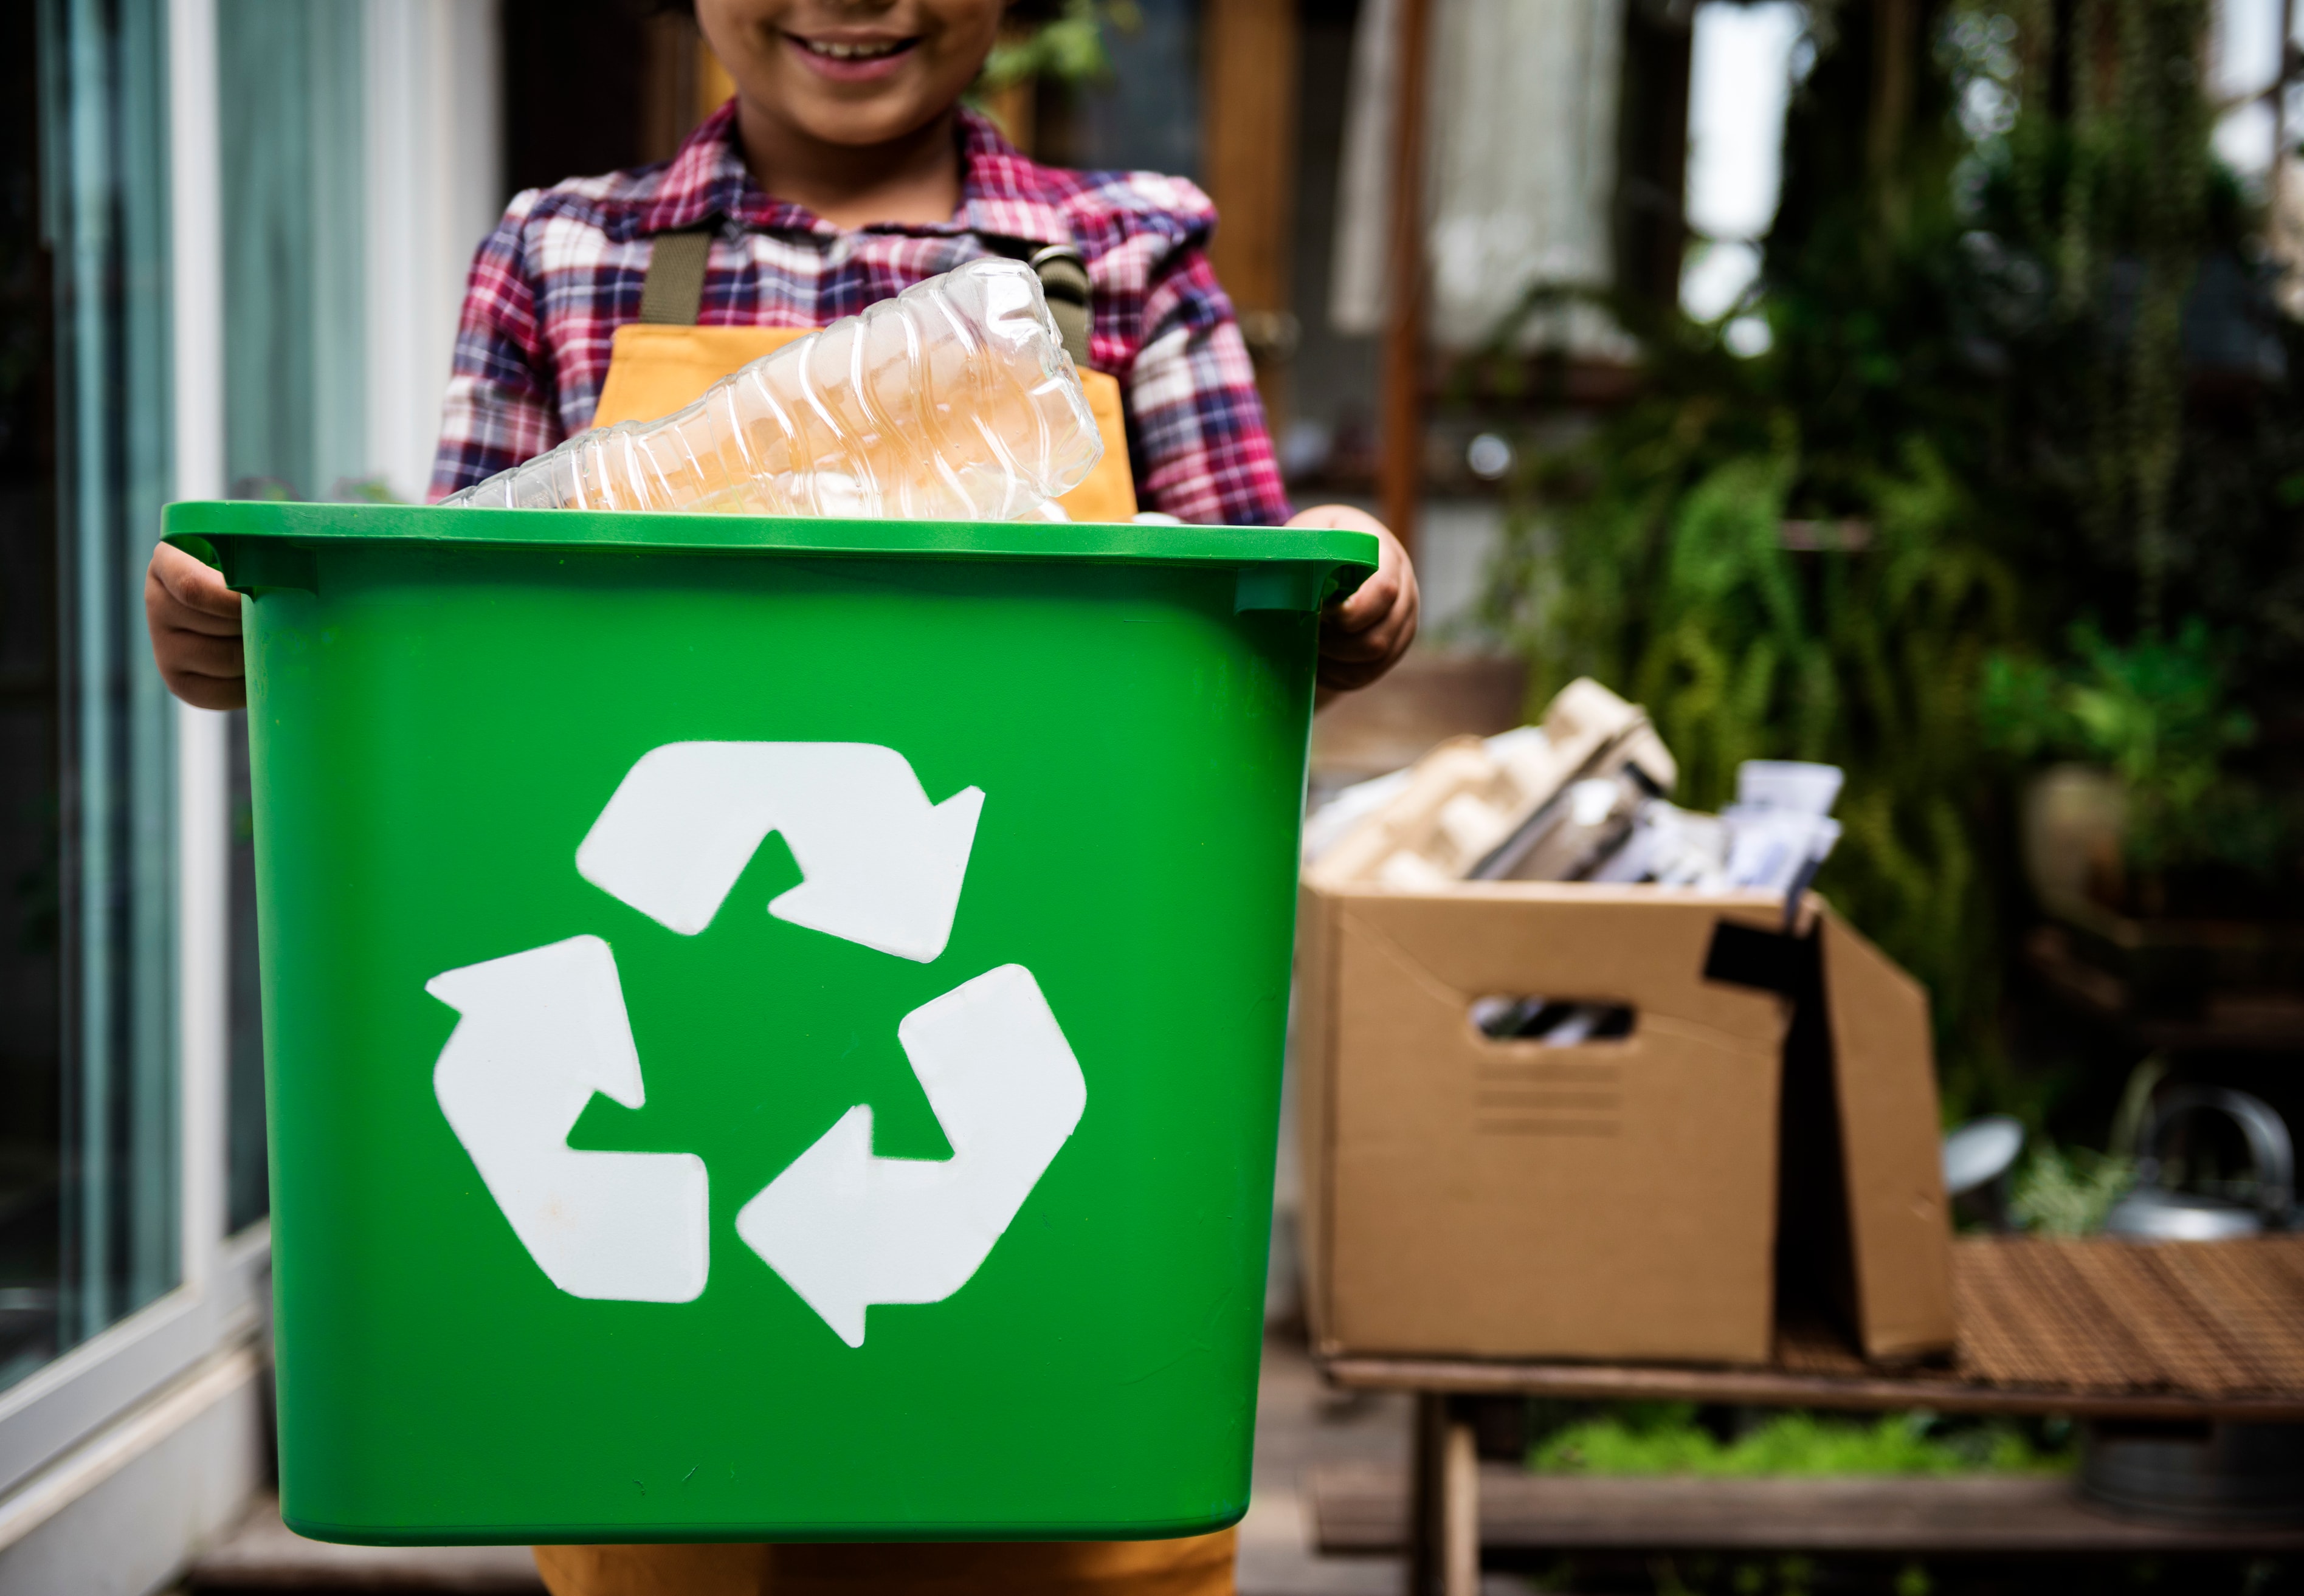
(224, 1281)
(92, 1492)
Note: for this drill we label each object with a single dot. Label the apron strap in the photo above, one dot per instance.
(1062, 272)
(672, 291)
(1064, 278)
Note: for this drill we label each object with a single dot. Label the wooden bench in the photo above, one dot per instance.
(2097, 1329)
(1362, 1511)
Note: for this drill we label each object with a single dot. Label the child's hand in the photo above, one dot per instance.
(1364, 636)
(194, 620)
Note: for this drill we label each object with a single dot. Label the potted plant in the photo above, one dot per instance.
(2169, 874)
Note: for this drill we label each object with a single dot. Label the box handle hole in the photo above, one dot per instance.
(1557, 1022)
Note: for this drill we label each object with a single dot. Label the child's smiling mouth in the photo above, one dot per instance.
(851, 59)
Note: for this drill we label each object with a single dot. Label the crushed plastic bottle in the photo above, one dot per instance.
(955, 401)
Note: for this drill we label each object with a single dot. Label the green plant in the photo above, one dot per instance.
(2159, 714)
(366, 490)
(1648, 1439)
(1066, 48)
(1653, 557)
(1996, 219)
(2063, 1191)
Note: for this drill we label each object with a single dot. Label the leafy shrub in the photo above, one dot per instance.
(2069, 1192)
(1994, 329)
(2159, 714)
(1648, 1439)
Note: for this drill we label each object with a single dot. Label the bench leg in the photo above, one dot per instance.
(1444, 1541)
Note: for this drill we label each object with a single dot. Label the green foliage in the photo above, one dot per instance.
(1665, 1437)
(2070, 1192)
(1977, 364)
(1067, 49)
(367, 490)
(2159, 714)
(2143, 433)
(2104, 187)
(1653, 558)
(349, 490)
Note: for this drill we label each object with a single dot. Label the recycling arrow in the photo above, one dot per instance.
(540, 1032)
(847, 1229)
(883, 865)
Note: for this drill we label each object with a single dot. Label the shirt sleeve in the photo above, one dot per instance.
(499, 410)
(1192, 403)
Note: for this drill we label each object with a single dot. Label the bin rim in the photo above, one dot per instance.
(197, 526)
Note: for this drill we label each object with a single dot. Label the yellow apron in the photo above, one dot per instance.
(1197, 1565)
(653, 369)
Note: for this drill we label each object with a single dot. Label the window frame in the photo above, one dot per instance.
(224, 1286)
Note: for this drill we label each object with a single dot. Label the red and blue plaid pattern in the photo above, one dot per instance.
(563, 270)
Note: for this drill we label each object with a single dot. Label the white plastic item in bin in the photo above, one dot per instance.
(955, 401)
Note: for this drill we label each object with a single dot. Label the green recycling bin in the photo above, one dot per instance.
(771, 1027)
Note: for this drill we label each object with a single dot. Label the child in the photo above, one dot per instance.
(844, 171)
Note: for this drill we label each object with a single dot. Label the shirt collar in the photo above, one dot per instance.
(1004, 193)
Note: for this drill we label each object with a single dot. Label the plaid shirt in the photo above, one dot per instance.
(562, 270)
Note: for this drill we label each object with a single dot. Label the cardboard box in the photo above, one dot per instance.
(1762, 1144)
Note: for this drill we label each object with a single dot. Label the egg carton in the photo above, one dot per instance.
(1542, 803)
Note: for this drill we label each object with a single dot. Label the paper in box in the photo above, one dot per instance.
(1760, 1145)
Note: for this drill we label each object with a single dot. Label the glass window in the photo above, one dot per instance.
(88, 1228)
(31, 965)
(295, 423)
(295, 427)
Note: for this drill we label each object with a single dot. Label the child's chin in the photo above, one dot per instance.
(859, 115)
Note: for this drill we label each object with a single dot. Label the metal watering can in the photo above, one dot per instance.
(2212, 1474)
(2156, 1212)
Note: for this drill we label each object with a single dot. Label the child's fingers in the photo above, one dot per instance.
(195, 587)
(1370, 602)
(194, 620)
(209, 672)
(189, 654)
(1386, 626)
(1389, 594)
(209, 692)
(1363, 635)
(1383, 630)
(1350, 675)
(1375, 652)
(169, 614)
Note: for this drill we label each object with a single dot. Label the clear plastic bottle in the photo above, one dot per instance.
(955, 401)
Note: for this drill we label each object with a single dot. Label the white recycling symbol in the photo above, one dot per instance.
(539, 1031)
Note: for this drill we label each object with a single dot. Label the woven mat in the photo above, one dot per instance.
(2100, 1316)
